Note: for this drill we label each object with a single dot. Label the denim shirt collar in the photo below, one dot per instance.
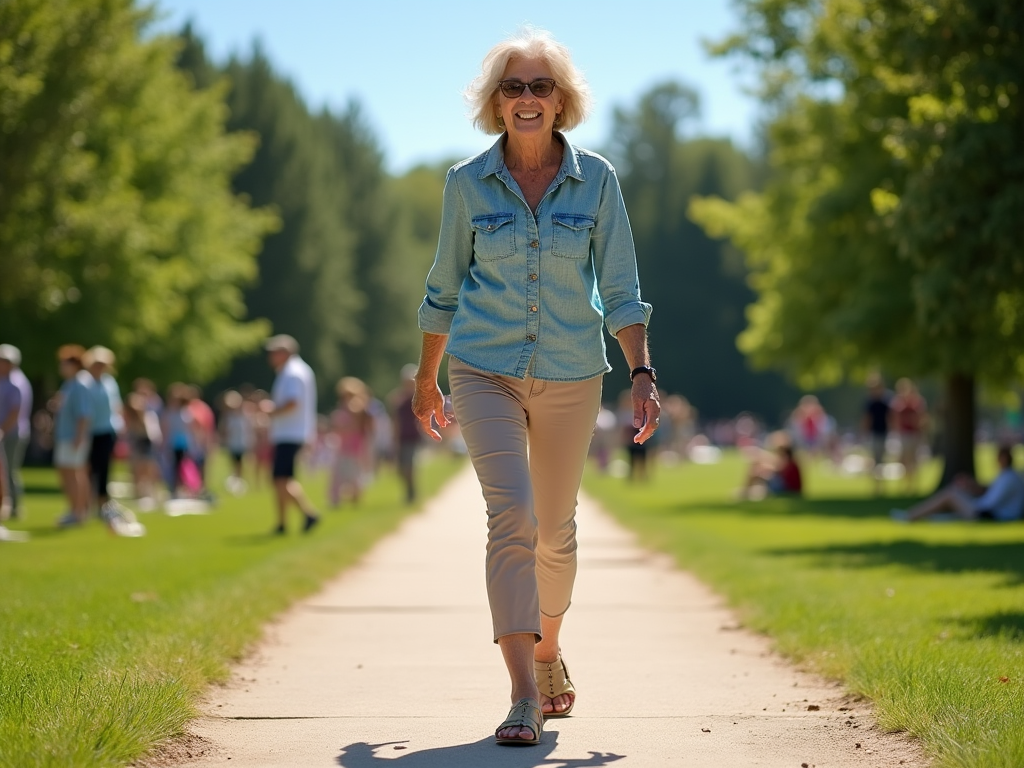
(494, 160)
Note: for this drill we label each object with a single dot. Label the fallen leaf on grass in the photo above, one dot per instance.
(1004, 679)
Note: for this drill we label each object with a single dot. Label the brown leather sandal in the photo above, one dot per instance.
(553, 681)
(525, 713)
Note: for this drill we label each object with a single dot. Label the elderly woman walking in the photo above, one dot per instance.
(535, 258)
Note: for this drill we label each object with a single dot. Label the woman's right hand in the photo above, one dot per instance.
(427, 402)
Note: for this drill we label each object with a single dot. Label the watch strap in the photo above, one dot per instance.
(644, 369)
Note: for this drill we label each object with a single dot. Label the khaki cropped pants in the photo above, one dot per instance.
(528, 440)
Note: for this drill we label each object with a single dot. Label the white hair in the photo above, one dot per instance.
(529, 43)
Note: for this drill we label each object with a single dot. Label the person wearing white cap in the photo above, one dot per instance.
(292, 425)
(15, 423)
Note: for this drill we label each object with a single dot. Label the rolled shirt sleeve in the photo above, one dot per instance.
(451, 263)
(618, 282)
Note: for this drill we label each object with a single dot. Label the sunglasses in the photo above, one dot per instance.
(513, 89)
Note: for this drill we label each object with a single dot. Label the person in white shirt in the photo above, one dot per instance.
(1002, 501)
(292, 425)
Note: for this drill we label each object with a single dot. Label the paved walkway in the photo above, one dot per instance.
(393, 662)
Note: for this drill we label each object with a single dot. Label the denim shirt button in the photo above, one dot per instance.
(533, 277)
(531, 337)
(533, 309)
(534, 243)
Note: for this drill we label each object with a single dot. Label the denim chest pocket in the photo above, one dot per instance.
(494, 236)
(571, 235)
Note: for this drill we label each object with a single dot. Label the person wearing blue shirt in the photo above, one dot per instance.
(71, 433)
(535, 260)
(107, 423)
(15, 424)
(1001, 502)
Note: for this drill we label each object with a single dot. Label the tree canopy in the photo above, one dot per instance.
(342, 274)
(889, 231)
(696, 284)
(118, 225)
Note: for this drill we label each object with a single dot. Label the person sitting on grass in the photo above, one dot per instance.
(776, 473)
(1002, 501)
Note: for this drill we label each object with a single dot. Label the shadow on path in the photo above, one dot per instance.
(480, 753)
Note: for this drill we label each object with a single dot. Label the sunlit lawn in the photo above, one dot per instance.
(927, 619)
(106, 642)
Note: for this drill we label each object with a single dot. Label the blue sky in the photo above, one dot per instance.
(407, 62)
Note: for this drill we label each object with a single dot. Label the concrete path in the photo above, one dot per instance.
(393, 661)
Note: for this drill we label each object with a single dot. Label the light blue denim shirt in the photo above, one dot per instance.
(75, 404)
(520, 294)
(106, 405)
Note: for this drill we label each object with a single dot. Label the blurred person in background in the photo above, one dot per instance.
(263, 449)
(292, 426)
(534, 259)
(683, 422)
(352, 427)
(107, 423)
(204, 436)
(809, 425)
(606, 438)
(159, 464)
(72, 433)
(237, 437)
(773, 472)
(909, 419)
(407, 430)
(382, 447)
(637, 452)
(142, 430)
(875, 419)
(176, 427)
(15, 425)
(1002, 502)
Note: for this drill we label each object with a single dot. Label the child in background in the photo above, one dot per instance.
(352, 426)
(204, 435)
(261, 405)
(72, 434)
(143, 430)
(238, 436)
(177, 430)
(775, 472)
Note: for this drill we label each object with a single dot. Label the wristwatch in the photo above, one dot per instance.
(644, 369)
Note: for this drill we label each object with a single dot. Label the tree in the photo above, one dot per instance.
(889, 233)
(388, 264)
(117, 221)
(343, 275)
(696, 284)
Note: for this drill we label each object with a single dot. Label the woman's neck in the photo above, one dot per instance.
(532, 155)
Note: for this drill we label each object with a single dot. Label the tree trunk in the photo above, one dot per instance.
(959, 427)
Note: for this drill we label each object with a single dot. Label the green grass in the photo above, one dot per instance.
(106, 643)
(926, 620)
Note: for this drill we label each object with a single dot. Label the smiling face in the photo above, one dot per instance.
(527, 115)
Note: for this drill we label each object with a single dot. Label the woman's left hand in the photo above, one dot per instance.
(646, 408)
